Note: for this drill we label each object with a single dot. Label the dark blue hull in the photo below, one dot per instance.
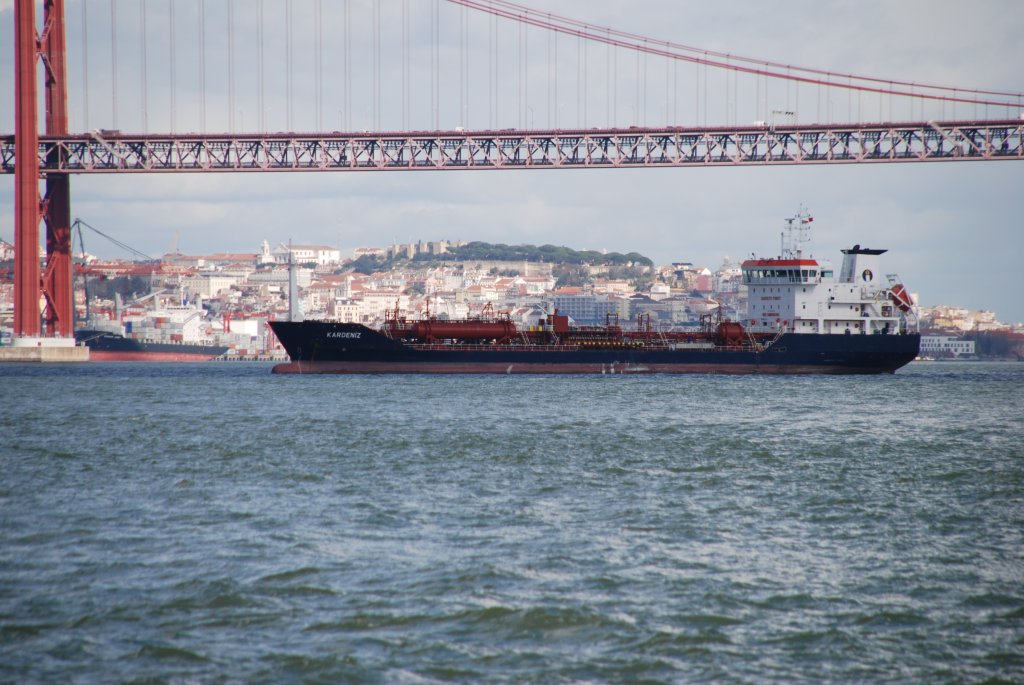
(323, 347)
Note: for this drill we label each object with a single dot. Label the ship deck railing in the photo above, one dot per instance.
(475, 347)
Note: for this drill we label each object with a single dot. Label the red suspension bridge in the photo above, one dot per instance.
(486, 104)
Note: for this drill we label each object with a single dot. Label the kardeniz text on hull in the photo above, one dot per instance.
(800, 319)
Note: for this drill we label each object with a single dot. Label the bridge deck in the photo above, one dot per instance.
(113, 151)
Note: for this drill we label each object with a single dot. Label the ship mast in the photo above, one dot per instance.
(797, 236)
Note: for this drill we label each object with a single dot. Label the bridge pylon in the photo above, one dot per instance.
(54, 286)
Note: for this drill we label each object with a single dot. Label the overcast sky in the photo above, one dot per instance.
(954, 230)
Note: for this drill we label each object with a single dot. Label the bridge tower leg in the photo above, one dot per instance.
(55, 284)
(58, 285)
(27, 284)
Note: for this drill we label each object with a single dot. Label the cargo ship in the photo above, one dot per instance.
(173, 333)
(801, 319)
(107, 346)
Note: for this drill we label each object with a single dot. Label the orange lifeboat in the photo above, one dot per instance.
(901, 298)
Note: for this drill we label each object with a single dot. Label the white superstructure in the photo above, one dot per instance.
(796, 293)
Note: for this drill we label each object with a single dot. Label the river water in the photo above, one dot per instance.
(212, 523)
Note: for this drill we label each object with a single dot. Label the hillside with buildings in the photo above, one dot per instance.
(230, 297)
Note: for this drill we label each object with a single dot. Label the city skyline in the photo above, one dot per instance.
(269, 256)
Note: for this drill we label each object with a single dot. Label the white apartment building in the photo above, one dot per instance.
(279, 276)
(373, 303)
(346, 311)
(945, 346)
(208, 285)
(304, 254)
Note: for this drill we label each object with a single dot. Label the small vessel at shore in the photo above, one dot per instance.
(800, 319)
(173, 333)
(109, 346)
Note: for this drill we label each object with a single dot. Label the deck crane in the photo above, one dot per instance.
(77, 226)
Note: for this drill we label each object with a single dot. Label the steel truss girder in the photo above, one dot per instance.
(614, 148)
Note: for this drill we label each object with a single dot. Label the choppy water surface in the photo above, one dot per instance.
(212, 523)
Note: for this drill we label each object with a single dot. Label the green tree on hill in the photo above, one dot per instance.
(551, 254)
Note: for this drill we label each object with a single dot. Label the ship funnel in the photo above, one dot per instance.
(862, 265)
